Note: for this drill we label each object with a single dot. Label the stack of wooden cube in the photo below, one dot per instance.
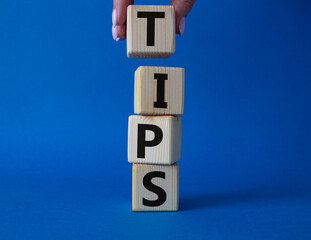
(154, 134)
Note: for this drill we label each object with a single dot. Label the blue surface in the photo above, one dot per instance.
(66, 91)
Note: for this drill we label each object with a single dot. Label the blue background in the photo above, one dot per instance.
(67, 89)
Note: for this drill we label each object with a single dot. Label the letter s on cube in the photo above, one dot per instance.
(155, 187)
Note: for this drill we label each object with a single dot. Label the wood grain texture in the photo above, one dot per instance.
(170, 185)
(167, 151)
(164, 32)
(146, 91)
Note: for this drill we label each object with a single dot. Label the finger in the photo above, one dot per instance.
(182, 9)
(118, 32)
(119, 11)
(123, 37)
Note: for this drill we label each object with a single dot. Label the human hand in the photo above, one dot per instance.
(182, 8)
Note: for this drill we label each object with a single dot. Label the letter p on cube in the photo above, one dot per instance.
(154, 139)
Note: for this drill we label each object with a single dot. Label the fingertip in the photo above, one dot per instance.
(118, 32)
(123, 37)
(114, 33)
(181, 26)
(182, 7)
(114, 17)
(121, 10)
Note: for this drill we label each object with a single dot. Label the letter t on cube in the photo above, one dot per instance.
(150, 31)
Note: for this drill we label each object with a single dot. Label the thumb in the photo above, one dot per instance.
(182, 8)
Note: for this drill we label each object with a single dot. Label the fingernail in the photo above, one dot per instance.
(114, 33)
(114, 17)
(182, 24)
(117, 39)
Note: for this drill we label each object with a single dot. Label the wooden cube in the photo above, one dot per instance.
(154, 139)
(150, 31)
(155, 187)
(159, 91)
